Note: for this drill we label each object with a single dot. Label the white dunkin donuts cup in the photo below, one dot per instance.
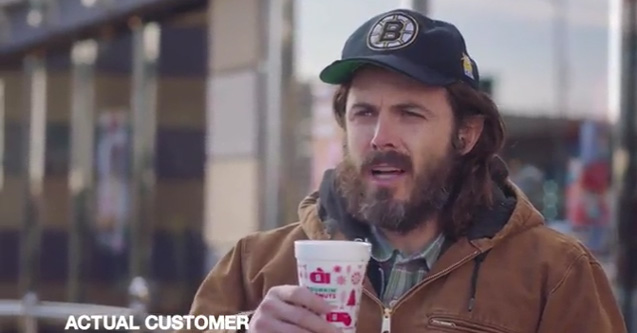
(334, 270)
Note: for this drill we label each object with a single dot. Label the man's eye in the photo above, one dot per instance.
(364, 113)
(407, 113)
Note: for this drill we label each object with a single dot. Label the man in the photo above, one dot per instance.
(456, 246)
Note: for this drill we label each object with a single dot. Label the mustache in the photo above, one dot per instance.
(390, 157)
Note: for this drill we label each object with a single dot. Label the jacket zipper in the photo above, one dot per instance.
(386, 327)
(459, 325)
(387, 312)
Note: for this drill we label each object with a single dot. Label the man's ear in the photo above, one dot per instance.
(469, 133)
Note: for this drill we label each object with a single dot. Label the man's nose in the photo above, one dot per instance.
(385, 135)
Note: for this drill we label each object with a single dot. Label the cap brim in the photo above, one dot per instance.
(342, 71)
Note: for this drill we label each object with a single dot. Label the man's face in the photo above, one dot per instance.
(398, 154)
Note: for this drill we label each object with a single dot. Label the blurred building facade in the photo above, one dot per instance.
(142, 138)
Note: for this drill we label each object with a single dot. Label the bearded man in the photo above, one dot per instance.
(456, 246)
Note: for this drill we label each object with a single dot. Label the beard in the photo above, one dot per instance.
(377, 206)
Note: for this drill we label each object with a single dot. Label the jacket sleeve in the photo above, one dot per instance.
(582, 302)
(223, 291)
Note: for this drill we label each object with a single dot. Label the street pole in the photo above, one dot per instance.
(421, 6)
(562, 95)
(272, 128)
(561, 57)
(625, 159)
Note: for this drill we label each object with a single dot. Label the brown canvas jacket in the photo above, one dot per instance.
(524, 277)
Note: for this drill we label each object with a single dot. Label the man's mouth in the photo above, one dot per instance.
(386, 172)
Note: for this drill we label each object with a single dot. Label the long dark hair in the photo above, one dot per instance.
(475, 173)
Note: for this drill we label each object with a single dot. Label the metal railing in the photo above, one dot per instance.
(30, 310)
(6, 3)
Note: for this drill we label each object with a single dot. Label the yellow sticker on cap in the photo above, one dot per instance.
(468, 66)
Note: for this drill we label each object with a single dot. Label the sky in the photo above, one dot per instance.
(511, 40)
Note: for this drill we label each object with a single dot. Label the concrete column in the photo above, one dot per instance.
(81, 175)
(146, 39)
(233, 131)
(250, 123)
(34, 135)
(233, 122)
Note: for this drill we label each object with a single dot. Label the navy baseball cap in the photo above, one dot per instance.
(430, 51)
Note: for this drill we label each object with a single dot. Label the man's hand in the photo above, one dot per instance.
(291, 309)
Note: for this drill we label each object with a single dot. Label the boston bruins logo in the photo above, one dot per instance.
(393, 31)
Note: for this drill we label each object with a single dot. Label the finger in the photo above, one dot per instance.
(304, 297)
(303, 318)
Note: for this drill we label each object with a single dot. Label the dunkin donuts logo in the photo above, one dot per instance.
(320, 277)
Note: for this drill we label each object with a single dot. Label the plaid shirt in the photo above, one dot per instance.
(401, 273)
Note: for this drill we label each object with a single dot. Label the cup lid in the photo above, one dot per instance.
(336, 250)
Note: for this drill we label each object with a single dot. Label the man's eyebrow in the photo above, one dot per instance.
(400, 106)
(363, 105)
(413, 105)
